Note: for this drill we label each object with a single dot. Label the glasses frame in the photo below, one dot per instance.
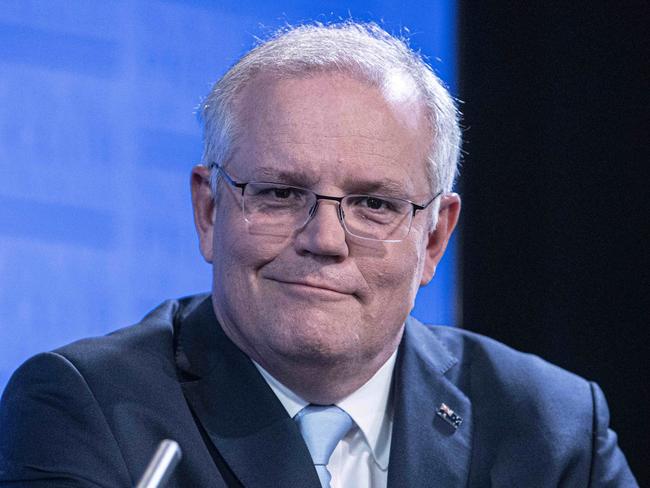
(242, 186)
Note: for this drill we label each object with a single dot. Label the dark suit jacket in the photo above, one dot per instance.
(92, 413)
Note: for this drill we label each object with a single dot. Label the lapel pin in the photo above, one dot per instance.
(449, 416)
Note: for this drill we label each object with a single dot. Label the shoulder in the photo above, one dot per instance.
(528, 412)
(523, 408)
(126, 357)
(148, 342)
(115, 392)
(486, 366)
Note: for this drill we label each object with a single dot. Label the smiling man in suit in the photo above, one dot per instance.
(323, 202)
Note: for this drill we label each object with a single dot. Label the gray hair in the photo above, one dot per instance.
(361, 50)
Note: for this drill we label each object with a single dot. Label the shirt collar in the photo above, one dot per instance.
(371, 410)
(292, 403)
(369, 407)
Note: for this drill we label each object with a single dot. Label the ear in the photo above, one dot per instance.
(438, 238)
(204, 209)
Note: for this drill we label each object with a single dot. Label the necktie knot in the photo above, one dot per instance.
(323, 427)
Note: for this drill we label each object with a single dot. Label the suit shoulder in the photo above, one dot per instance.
(530, 413)
(126, 359)
(516, 389)
(127, 356)
(491, 359)
(151, 339)
(524, 408)
(98, 406)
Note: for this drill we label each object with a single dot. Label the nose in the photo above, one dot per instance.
(323, 234)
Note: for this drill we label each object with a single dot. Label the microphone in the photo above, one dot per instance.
(161, 466)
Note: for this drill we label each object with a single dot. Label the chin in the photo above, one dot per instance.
(325, 344)
(319, 355)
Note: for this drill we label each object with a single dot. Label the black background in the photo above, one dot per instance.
(555, 192)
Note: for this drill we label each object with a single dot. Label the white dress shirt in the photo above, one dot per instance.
(360, 460)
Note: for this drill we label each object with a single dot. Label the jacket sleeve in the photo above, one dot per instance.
(53, 432)
(609, 467)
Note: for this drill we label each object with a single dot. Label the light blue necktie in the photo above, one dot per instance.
(323, 427)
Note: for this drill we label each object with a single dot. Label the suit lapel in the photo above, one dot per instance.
(243, 418)
(426, 450)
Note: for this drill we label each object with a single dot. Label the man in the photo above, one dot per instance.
(323, 203)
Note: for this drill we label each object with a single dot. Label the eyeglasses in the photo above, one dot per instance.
(278, 208)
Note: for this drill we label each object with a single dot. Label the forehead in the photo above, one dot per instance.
(334, 129)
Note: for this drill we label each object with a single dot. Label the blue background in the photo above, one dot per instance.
(97, 138)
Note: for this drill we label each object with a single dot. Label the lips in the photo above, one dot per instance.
(315, 285)
(320, 280)
(318, 286)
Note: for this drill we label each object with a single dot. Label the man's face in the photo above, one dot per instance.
(320, 296)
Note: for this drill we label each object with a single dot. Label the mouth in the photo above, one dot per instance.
(310, 287)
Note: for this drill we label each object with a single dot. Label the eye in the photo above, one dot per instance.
(375, 203)
(281, 193)
(271, 194)
(265, 190)
(371, 203)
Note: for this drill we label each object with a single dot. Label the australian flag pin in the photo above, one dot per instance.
(449, 416)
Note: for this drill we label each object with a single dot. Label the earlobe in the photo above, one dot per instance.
(204, 209)
(438, 239)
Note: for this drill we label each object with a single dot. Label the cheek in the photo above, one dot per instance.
(395, 277)
(238, 254)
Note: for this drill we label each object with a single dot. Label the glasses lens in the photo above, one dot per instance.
(375, 217)
(277, 208)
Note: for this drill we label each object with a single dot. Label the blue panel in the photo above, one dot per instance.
(68, 224)
(53, 50)
(170, 150)
(97, 138)
(438, 302)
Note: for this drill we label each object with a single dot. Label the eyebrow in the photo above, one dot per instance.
(294, 177)
(305, 179)
(389, 188)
